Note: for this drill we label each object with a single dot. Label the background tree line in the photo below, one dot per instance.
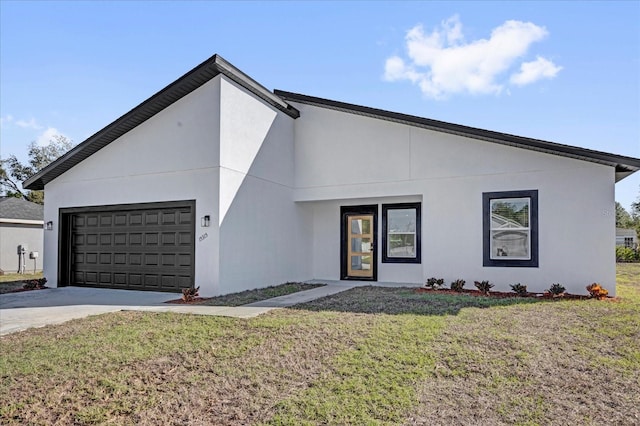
(629, 220)
(13, 172)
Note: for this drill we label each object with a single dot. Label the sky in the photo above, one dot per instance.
(565, 72)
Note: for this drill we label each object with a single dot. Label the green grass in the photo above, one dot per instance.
(19, 277)
(367, 356)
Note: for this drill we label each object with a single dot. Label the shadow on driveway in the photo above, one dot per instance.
(37, 308)
(70, 296)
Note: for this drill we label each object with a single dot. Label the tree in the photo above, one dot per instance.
(13, 172)
(635, 207)
(635, 213)
(623, 218)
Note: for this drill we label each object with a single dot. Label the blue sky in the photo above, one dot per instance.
(567, 72)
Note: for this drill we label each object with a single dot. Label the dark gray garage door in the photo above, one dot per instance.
(137, 247)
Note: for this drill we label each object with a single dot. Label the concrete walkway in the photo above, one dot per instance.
(20, 311)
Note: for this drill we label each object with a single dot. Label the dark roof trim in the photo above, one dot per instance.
(624, 166)
(186, 84)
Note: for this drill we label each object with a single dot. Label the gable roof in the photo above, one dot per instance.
(17, 208)
(624, 166)
(186, 84)
(217, 65)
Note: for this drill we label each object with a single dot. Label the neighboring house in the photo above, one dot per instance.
(20, 228)
(627, 238)
(218, 182)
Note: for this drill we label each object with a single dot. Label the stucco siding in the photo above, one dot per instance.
(173, 156)
(13, 235)
(263, 233)
(342, 156)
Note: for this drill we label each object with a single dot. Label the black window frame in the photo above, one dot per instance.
(401, 206)
(487, 197)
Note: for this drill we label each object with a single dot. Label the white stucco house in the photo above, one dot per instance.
(216, 181)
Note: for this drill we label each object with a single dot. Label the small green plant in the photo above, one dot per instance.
(434, 283)
(519, 289)
(483, 286)
(556, 289)
(35, 284)
(188, 294)
(457, 285)
(597, 291)
(627, 254)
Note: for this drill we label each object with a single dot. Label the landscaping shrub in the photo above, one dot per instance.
(188, 294)
(457, 285)
(519, 289)
(627, 254)
(483, 286)
(35, 284)
(556, 289)
(434, 283)
(597, 292)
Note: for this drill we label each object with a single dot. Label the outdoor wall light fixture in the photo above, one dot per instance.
(205, 221)
(49, 226)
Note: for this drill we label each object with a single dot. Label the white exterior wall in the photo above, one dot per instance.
(263, 233)
(341, 157)
(172, 156)
(14, 234)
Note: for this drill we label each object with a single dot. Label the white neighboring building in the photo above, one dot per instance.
(20, 228)
(627, 238)
(218, 182)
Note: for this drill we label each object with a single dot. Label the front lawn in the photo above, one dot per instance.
(368, 356)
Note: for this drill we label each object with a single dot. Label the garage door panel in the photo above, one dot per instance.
(151, 239)
(137, 248)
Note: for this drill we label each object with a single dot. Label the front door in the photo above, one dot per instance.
(359, 258)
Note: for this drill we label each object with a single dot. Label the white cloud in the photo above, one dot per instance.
(47, 136)
(535, 70)
(31, 124)
(442, 63)
(6, 120)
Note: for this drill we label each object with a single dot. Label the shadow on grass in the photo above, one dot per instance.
(259, 294)
(405, 300)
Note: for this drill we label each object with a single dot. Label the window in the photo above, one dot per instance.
(510, 228)
(401, 233)
(628, 242)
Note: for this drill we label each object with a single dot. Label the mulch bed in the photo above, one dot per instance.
(505, 294)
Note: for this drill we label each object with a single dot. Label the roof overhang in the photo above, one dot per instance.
(186, 84)
(624, 166)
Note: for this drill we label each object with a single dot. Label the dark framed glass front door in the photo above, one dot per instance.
(359, 242)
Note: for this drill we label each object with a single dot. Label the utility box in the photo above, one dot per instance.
(34, 255)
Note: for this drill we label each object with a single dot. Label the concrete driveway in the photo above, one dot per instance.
(37, 308)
